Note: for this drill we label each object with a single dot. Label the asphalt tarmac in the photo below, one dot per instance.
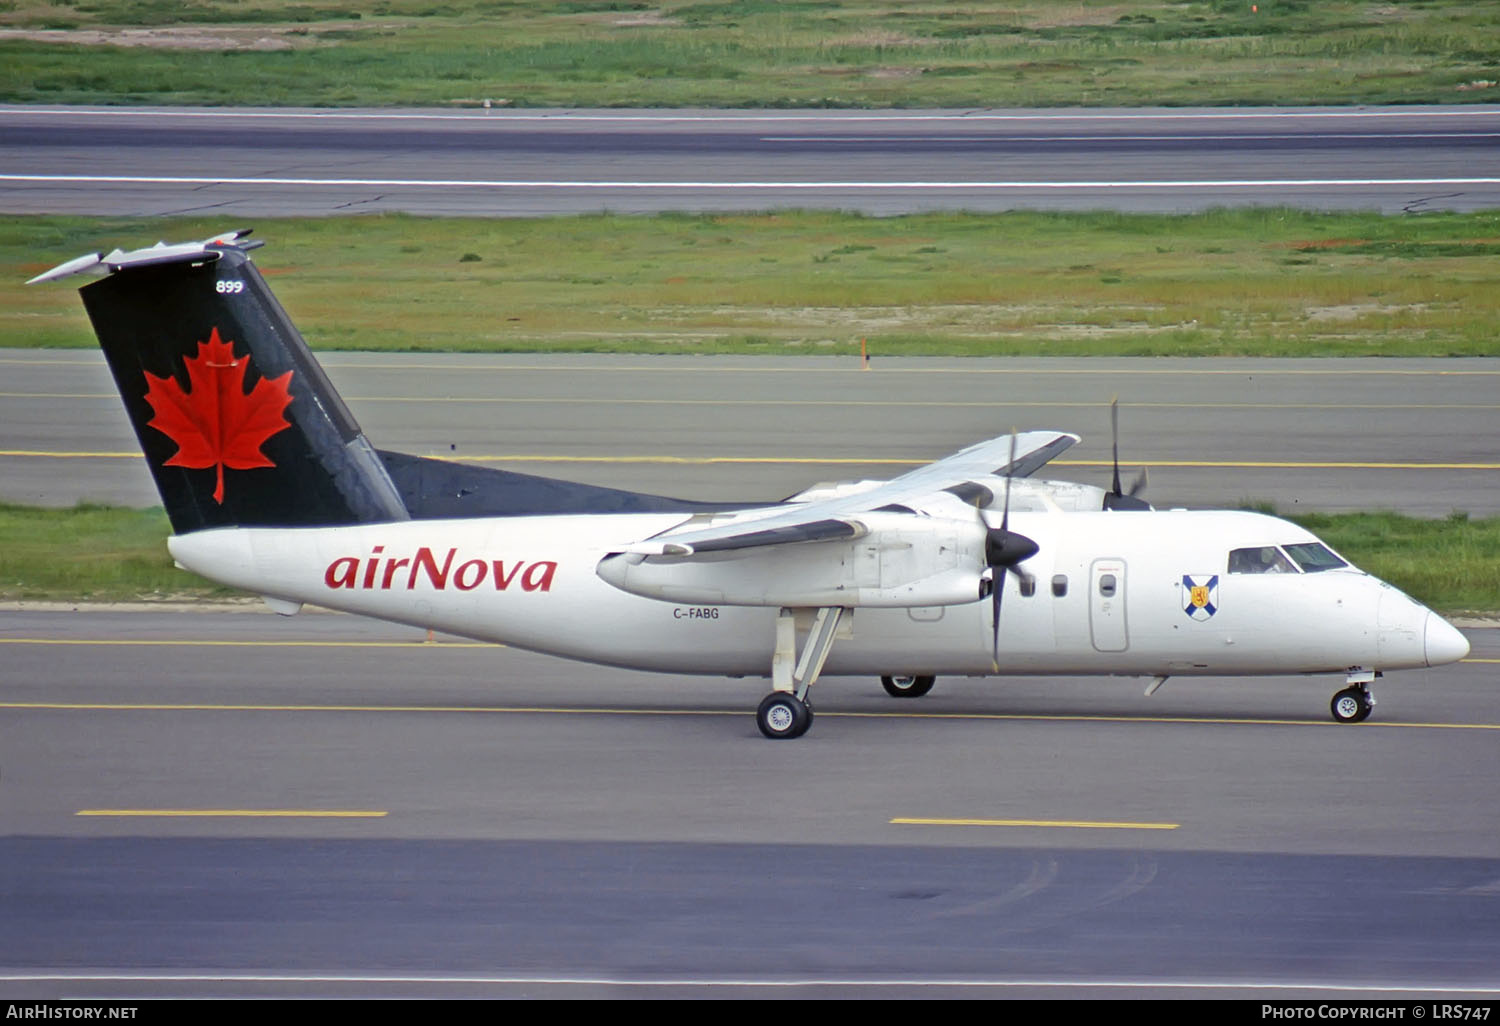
(256, 163)
(234, 803)
(1417, 436)
(210, 804)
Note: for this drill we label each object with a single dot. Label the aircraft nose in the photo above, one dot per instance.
(1444, 644)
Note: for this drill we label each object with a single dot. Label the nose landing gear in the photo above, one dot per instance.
(1354, 703)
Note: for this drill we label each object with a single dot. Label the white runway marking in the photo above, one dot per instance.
(500, 117)
(542, 183)
(718, 982)
(1228, 137)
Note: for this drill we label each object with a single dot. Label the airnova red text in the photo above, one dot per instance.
(386, 572)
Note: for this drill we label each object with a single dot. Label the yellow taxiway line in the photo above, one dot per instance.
(1079, 824)
(230, 643)
(521, 400)
(256, 813)
(852, 461)
(223, 643)
(72, 455)
(852, 364)
(618, 711)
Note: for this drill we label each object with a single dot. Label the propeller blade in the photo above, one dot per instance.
(1114, 431)
(995, 618)
(1117, 497)
(1003, 549)
(1005, 515)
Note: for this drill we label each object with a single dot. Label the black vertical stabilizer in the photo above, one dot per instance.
(239, 424)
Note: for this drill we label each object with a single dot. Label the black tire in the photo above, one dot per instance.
(1350, 705)
(783, 715)
(907, 687)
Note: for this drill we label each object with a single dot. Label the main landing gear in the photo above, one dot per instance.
(786, 712)
(783, 714)
(907, 687)
(1354, 703)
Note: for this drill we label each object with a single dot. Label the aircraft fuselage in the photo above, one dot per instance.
(1114, 594)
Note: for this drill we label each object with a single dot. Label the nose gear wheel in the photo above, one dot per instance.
(1352, 705)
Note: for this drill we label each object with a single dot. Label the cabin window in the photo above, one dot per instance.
(1314, 556)
(1060, 585)
(1107, 585)
(1266, 559)
(1027, 586)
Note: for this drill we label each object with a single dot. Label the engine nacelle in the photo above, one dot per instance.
(1033, 495)
(904, 560)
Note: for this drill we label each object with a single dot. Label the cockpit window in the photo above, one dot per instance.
(1314, 556)
(1267, 559)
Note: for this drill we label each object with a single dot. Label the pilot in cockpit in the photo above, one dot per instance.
(1266, 559)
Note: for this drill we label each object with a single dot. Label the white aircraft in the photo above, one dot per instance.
(965, 566)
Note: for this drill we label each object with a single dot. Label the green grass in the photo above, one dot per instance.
(1243, 282)
(753, 53)
(1452, 564)
(103, 554)
(92, 553)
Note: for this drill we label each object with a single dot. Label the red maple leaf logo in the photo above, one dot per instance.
(216, 423)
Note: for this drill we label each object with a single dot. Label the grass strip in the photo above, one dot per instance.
(748, 53)
(1453, 564)
(93, 553)
(107, 554)
(1240, 282)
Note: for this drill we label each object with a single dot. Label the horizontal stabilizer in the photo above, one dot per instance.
(151, 256)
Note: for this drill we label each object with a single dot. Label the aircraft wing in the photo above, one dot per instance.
(974, 475)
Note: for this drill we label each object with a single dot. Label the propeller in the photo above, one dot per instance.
(1116, 497)
(1004, 550)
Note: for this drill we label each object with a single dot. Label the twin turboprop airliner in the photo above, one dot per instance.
(967, 566)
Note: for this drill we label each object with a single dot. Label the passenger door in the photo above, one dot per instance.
(1107, 605)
